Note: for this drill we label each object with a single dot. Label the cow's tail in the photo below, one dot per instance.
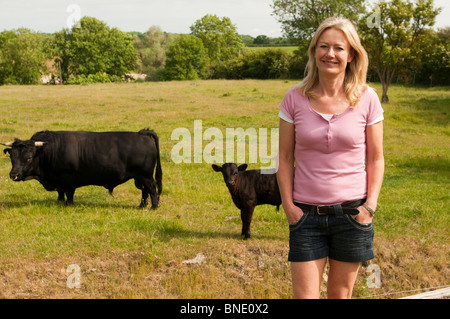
(158, 173)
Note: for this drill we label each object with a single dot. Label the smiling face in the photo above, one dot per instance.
(333, 53)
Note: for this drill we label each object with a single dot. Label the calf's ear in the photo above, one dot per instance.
(7, 151)
(242, 167)
(217, 168)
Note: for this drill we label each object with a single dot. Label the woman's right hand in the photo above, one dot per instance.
(293, 213)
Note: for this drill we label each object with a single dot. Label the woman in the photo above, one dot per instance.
(331, 163)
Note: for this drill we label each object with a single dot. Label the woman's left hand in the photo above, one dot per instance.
(364, 216)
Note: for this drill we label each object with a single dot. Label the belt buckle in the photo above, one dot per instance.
(318, 211)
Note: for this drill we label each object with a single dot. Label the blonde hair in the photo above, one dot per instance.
(356, 73)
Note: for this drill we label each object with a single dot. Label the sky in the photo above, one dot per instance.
(251, 17)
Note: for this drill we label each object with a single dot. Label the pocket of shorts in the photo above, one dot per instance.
(298, 224)
(358, 225)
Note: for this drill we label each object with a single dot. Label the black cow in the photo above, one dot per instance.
(63, 161)
(249, 189)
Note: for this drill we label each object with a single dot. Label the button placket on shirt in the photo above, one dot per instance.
(330, 131)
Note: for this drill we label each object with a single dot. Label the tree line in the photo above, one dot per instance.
(397, 34)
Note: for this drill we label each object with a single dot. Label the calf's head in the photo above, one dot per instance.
(24, 158)
(230, 172)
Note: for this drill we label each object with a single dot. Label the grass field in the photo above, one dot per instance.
(126, 252)
(287, 49)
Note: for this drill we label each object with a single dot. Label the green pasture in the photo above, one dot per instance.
(127, 252)
(287, 49)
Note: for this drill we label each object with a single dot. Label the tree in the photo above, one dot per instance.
(300, 18)
(186, 59)
(151, 48)
(433, 67)
(219, 37)
(262, 39)
(247, 39)
(93, 48)
(22, 57)
(399, 37)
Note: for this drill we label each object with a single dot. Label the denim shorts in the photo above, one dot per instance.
(340, 238)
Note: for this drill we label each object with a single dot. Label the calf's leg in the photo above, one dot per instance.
(246, 217)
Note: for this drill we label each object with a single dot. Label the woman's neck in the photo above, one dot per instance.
(330, 86)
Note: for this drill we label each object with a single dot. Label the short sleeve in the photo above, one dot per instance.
(287, 106)
(377, 120)
(375, 110)
(284, 117)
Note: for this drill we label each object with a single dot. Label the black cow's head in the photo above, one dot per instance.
(229, 172)
(24, 158)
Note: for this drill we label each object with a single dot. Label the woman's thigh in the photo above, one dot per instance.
(307, 277)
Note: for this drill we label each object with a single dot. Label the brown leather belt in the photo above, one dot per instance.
(350, 208)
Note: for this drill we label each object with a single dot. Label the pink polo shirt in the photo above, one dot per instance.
(330, 155)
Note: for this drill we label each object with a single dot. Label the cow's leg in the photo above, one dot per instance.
(150, 189)
(69, 194)
(144, 200)
(61, 195)
(153, 193)
(140, 184)
(246, 217)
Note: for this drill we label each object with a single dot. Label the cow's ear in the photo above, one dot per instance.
(7, 151)
(242, 167)
(217, 168)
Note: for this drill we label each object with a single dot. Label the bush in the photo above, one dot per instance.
(94, 78)
(232, 69)
(259, 64)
